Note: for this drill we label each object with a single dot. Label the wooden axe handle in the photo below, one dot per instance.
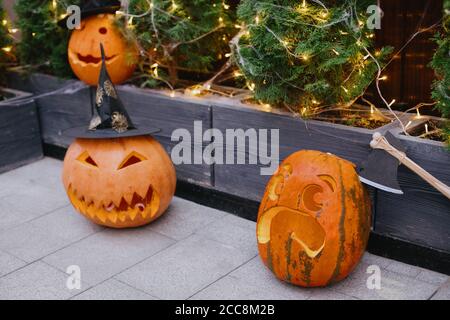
(380, 142)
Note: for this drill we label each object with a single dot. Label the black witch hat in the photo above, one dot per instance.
(109, 116)
(94, 7)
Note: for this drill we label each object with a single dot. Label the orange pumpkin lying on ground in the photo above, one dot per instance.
(122, 182)
(84, 54)
(314, 220)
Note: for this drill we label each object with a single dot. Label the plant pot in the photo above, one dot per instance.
(20, 138)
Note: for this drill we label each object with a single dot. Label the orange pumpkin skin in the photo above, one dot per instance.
(119, 183)
(84, 51)
(314, 220)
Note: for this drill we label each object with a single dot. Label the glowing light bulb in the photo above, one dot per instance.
(392, 102)
(383, 78)
(418, 113)
(345, 89)
(251, 86)
(172, 94)
(4, 22)
(225, 6)
(336, 52)
(426, 128)
(257, 19)
(7, 49)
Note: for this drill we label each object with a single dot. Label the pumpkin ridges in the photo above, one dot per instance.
(86, 42)
(156, 173)
(343, 248)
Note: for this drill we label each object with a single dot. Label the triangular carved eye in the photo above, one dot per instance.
(87, 159)
(132, 159)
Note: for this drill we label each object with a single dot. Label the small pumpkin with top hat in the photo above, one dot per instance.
(97, 26)
(115, 173)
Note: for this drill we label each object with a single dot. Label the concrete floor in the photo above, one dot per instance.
(192, 252)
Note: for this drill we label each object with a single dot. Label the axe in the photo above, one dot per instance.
(380, 169)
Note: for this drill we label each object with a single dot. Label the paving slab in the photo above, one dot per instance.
(37, 238)
(443, 293)
(255, 273)
(29, 203)
(113, 290)
(185, 268)
(9, 263)
(230, 288)
(393, 286)
(46, 172)
(183, 218)
(109, 252)
(233, 231)
(37, 281)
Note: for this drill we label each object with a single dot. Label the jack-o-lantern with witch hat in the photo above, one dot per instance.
(114, 173)
(97, 26)
(314, 220)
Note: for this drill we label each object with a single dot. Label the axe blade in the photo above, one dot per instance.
(380, 168)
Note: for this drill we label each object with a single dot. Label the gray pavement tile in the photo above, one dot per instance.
(432, 277)
(372, 259)
(113, 290)
(9, 263)
(328, 294)
(403, 268)
(45, 172)
(109, 252)
(29, 203)
(230, 288)
(237, 234)
(184, 269)
(183, 218)
(443, 293)
(255, 273)
(37, 238)
(394, 286)
(37, 281)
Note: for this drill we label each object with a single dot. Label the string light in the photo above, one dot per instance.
(257, 20)
(408, 124)
(251, 86)
(336, 52)
(426, 128)
(237, 74)
(383, 78)
(4, 22)
(345, 89)
(172, 94)
(418, 114)
(225, 6)
(13, 30)
(392, 102)
(7, 49)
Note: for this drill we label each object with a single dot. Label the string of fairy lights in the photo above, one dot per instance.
(349, 17)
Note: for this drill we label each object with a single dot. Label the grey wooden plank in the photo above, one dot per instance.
(421, 215)
(20, 140)
(200, 174)
(294, 134)
(163, 112)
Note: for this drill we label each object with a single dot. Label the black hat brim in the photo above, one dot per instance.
(90, 12)
(85, 133)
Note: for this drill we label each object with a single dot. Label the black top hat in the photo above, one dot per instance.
(109, 117)
(93, 7)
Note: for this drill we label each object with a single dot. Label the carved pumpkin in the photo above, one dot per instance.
(314, 220)
(119, 183)
(85, 57)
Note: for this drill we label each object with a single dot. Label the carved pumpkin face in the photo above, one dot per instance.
(84, 50)
(125, 182)
(314, 220)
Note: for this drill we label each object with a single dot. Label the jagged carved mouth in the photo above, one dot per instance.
(303, 229)
(90, 59)
(137, 209)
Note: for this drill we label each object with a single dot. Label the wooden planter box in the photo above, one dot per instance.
(421, 216)
(20, 138)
